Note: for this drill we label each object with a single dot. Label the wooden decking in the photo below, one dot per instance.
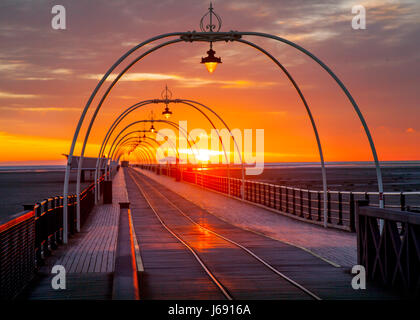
(171, 271)
(89, 257)
(240, 273)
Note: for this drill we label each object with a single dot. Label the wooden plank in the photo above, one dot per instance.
(242, 276)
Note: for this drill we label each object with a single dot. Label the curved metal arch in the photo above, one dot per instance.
(139, 131)
(146, 102)
(128, 142)
(138, 139)
(349, 97)
(311, 118)
(131, 143)
(80, 122)
(146, 150)
(186, 135)
(212, 37)
(139, 156)
(132, 138)
(183, 101)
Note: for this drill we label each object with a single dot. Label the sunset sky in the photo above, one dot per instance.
(47, 75)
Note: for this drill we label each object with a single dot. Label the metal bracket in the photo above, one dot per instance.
(193, 36)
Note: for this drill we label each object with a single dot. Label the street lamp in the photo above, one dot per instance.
(167, 113)
(211, 61)
(166, 95)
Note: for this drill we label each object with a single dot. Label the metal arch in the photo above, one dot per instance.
(235, 36)
(183, 101)
(137, 131)
(185, 134)
(164, 121)
(144, 149)
(131, 138)
(233, 138)
(347, 93)
(83, 115)
(146, 102)
(132, 143)
(309, 112)
(211, 37)
(124, 150)
(109, 132)
(127, 142)
(82, 153)
(139, 155)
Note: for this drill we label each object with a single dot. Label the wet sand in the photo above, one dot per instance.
(396, 178)
(20, 188)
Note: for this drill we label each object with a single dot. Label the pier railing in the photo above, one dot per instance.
(391, 256)
(300, 204)
(27, 239)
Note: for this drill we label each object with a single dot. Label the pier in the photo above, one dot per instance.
(165, 227)
(182, 246)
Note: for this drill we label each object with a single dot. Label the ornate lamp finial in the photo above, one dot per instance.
(210, 27)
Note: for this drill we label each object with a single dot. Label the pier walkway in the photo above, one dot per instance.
(89, 257)
(336, 246)
(197, 244)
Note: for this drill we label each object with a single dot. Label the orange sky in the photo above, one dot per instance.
(46, 75)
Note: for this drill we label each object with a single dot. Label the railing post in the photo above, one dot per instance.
(309, 205)
(329, 207)
(319, 205)
(274, 189)
(280, 198)
(340, 209)
(287, 200)
(359, 230)
(352, 213)
(402, 201)
(294, 200)
(301, 202)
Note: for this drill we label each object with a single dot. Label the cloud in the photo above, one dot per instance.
(410, 130)
(38, 109)
(9, 95)
(134, 77)
(187, 82)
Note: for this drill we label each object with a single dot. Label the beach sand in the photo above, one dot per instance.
(396, 178)
(21, 188)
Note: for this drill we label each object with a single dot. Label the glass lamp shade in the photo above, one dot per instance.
(167, 113)
(211, 61)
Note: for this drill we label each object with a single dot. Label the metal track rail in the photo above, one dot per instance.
(209, 273)
(213, 278)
